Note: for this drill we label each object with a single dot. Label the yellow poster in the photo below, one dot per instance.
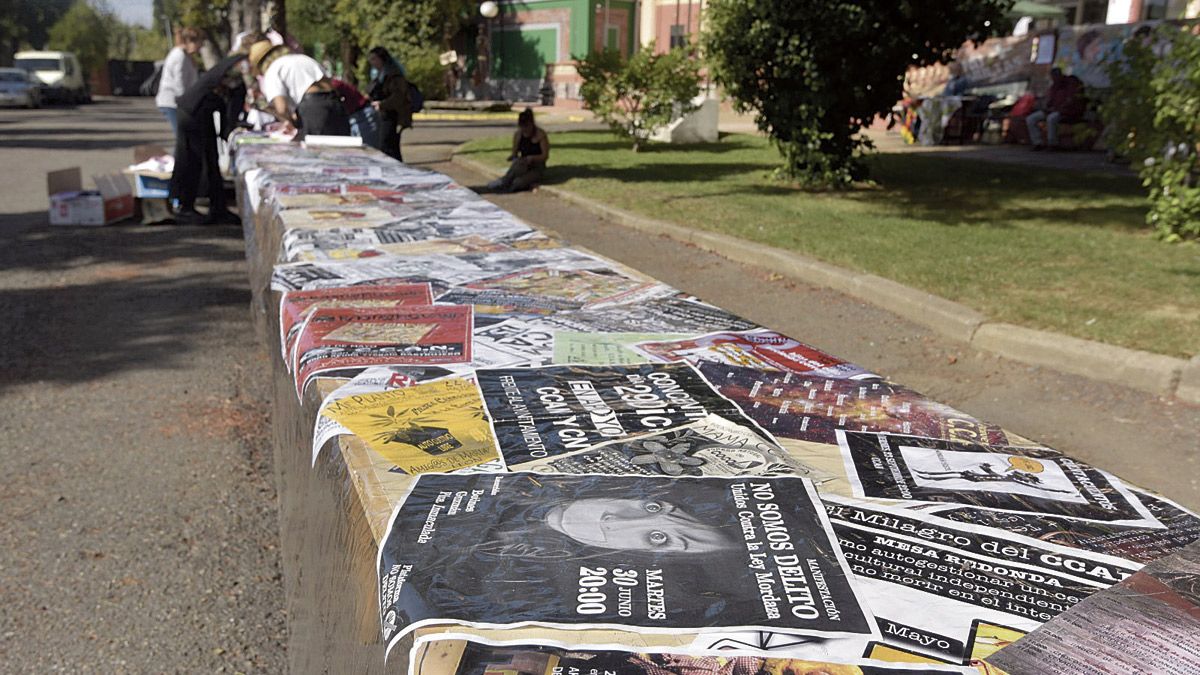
(432, 427)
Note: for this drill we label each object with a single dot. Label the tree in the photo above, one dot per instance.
(313, 23)
(814, 73)
(82, 31)
(636, 96)
(26, 23)
(1151, 114)
(415, 31)
(133, 43)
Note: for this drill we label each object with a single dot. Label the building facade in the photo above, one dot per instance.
(529, 49)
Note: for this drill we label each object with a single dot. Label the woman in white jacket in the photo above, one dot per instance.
(178, 72)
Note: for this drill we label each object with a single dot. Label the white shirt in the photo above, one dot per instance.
(290, 76)
(178, 73)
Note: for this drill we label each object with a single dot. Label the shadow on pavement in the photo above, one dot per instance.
(83, 303)
(74, 143)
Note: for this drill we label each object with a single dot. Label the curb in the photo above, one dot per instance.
(1144, 371)
(1189, 381)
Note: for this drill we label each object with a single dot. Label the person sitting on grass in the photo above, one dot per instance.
(530, 150)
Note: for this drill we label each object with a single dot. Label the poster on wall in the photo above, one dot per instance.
(451, 654)
(337, 338)
(1001, 478)
(641, 553)
(295, 306)
(959, 592)
(809, 407)
(435, 426)
(1149, 623)
(1180, 527)
(763, 349)
(711, 446)
(545, 412)
(676, 314)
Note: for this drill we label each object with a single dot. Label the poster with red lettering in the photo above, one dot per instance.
(295, 306)
(335, 338)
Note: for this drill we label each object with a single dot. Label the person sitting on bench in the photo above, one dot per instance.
(1064, 104)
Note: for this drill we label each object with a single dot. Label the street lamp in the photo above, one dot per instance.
(490, 9)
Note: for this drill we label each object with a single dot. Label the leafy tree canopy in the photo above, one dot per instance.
(1151, 113)
(414, 31)
(26, 24)
(815, 72)
(81, 30)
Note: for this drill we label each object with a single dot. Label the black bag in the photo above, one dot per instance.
(416, 100)
(150, 86)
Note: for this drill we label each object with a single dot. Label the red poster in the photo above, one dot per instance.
(333, 338)
(762, 349)
(295, 306)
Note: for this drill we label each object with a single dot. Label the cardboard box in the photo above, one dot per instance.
(70, 204)
(149, 184)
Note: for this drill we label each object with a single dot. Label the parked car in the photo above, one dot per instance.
(18, 87)
(59, 72)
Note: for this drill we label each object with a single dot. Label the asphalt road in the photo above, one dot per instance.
(138, 529)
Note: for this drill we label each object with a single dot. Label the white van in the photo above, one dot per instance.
(59, 72)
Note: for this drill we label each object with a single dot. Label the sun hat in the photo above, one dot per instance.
(259, 51)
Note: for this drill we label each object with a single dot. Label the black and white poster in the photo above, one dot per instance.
(649, 554)
(677, 314)
(712, 446)
(1002, 478)
(957, 591)
(1180, 528)
(450, 654)
(545, 412)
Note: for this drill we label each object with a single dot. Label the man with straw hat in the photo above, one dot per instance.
(298, 91)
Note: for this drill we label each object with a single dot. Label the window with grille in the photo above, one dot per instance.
(679, 36)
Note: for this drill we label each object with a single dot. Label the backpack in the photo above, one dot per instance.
(150, 86)
(416, 100)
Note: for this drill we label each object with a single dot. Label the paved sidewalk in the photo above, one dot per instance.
(1147, 440)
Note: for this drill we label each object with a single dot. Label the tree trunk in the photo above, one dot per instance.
(253, 12)
(276, 15)
(210, 53)
(350, 54)
(237, 19)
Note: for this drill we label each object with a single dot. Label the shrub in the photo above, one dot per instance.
(637, 95)
(1153, 117)
(814, 73)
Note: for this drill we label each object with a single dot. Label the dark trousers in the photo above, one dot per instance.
(321, 113)
(196, 161)
(389, 138)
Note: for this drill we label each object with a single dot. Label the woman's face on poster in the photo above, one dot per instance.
(636, 525)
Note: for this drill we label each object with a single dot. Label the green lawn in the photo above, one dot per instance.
(1062, 251)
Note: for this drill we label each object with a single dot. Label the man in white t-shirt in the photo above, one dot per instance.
(298, 91)
(178, 73)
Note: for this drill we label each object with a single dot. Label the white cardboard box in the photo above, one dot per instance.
(71, 205)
